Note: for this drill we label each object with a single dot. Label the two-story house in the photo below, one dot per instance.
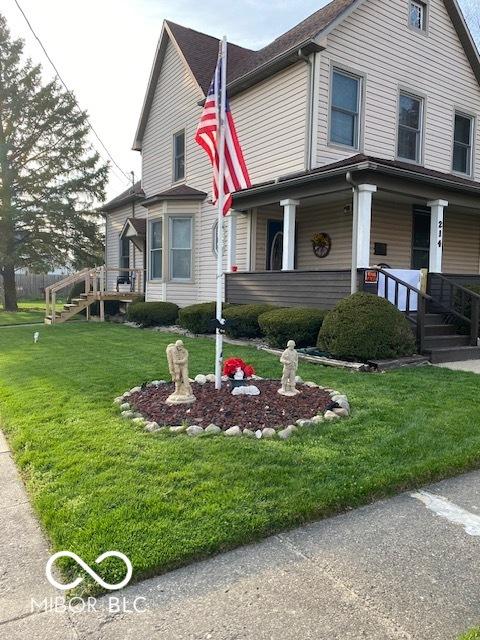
(360, 131)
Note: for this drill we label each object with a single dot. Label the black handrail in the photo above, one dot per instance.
(417, 317)
(462, 303)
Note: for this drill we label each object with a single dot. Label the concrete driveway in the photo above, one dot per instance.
(401, 568)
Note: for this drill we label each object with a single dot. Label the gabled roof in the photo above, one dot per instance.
(247, 67)
(132, 194)
(137, 225)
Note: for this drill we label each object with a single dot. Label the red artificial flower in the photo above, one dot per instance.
(232, 364)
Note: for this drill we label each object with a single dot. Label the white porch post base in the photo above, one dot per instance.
(436, 234)
(289, 214)
(364, 205)
(231, 240)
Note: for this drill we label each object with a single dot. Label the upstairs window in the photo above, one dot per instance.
(179, 156)
(345, 109)
(462, 144)
(156, 249)
(417, 18)
(410, 123)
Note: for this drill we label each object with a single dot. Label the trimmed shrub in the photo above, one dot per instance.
(197, 318)
(243, 320)
(366, 327)
(301, 325)
(152, 313)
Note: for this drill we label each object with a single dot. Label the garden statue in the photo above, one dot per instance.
(177, 357)
(289, 359)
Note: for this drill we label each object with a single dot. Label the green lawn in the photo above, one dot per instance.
(99, 483)
(474, 634)
(30, 311)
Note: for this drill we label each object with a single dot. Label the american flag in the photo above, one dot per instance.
(207, 136)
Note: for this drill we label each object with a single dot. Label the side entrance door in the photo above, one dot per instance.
(274, 245)
(421, 238)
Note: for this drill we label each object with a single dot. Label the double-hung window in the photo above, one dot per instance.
(156, 249)
(179, 156)
(417, 17)
(345, 109)
(410, 125)
(462, 144)
(180, 237)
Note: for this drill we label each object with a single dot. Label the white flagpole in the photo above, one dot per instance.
(221, 199)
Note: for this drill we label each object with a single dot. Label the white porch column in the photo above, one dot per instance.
(364, 224)
(231, 240)
(436, 234)
(289, 213)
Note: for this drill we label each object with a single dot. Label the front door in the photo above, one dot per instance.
(421, 238)
(274, 245)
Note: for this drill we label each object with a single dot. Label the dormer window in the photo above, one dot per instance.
(418, 15)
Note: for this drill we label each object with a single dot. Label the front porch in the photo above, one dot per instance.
(311, 246)
(308, 231)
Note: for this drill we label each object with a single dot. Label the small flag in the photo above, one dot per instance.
(207, 136)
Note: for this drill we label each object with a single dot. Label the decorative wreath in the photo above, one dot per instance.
(322, 244)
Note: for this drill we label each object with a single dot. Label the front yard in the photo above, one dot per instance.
(99, 483)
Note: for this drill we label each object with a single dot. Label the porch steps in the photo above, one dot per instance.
(444, 344)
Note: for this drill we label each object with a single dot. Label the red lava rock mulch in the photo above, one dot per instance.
(269, 409)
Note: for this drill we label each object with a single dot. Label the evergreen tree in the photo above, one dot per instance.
(50, 177)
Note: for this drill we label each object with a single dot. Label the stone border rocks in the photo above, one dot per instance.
(338, 408)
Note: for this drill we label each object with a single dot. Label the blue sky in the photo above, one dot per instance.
(104, 49)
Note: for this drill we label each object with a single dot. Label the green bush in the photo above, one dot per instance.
(197, 318)
(152, 313)
(366, 327)
(301, 325)
(243, 320)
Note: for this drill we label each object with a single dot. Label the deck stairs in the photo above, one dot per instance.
(96, 290)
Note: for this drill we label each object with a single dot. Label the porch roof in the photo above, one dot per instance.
(304, 182)
(180, 192)
(132, 194)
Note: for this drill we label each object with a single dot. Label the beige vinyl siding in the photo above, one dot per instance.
(270, 120)
(376, 41)
(113, 227)
(461, 246)
(392, 225)
(271, 123)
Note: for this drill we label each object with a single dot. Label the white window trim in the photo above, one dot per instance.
(176, 180)
(359, 133)
(171, 218)
(423, 5)
(459, 112)
(161, 250)
(421, 131)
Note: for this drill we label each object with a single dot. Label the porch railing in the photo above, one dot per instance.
(461, 302)
(415, 302)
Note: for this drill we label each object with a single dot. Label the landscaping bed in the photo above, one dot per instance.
(269, 409)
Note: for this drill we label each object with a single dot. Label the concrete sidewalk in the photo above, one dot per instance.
(391, 570)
